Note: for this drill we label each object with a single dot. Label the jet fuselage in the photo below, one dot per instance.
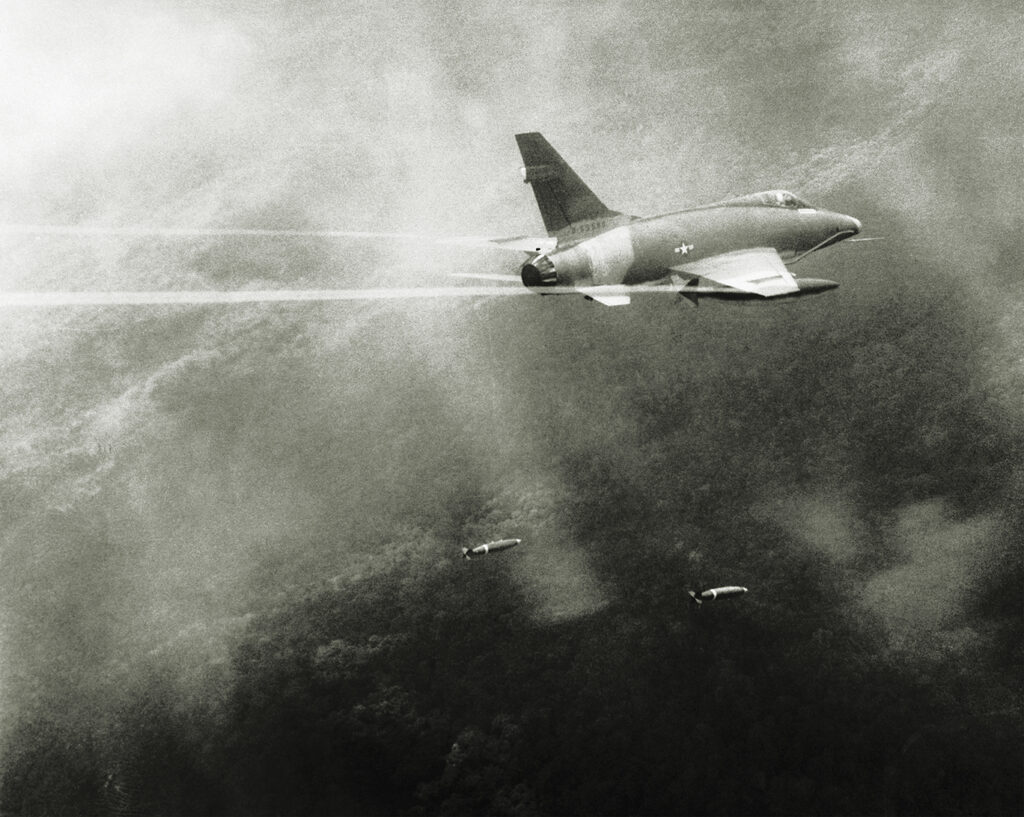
(637, 251)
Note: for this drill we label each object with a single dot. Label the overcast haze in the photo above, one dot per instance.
(229, 535)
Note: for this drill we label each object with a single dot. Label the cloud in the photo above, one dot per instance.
(827, 524)
(937, 575)
(95, 83)
(919, 574)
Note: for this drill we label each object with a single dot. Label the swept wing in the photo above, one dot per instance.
(759, 271)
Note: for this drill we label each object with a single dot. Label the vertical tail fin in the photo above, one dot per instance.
(562, 196)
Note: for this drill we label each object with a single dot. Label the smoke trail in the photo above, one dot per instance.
(195, 297)
(188, 297)
(192, 232)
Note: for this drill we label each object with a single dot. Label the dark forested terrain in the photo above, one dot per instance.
(229, 536)
(362, 667)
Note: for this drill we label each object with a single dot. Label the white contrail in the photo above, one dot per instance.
(252, 296)
(487, 276)
(249, 296)
(84, 230)
(188, 232)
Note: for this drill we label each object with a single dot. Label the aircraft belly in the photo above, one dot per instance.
(610, 255)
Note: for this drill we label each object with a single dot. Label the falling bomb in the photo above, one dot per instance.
(490, 547)
(713, 593)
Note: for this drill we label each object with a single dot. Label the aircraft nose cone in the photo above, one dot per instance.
(855, 225)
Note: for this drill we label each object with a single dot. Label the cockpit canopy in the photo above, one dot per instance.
(770, 198)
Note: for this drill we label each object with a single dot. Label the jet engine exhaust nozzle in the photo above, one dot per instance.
(539, 272)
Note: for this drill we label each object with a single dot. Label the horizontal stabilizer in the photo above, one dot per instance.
(607, 298)
(530, 244)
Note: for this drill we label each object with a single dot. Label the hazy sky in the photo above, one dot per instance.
(158, 464)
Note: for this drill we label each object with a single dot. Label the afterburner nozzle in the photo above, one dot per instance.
(539, 272)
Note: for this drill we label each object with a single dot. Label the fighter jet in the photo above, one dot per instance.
(490, 547)
(737, 249)
(713, 593)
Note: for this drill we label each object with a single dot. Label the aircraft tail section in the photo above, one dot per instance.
(561, 195)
